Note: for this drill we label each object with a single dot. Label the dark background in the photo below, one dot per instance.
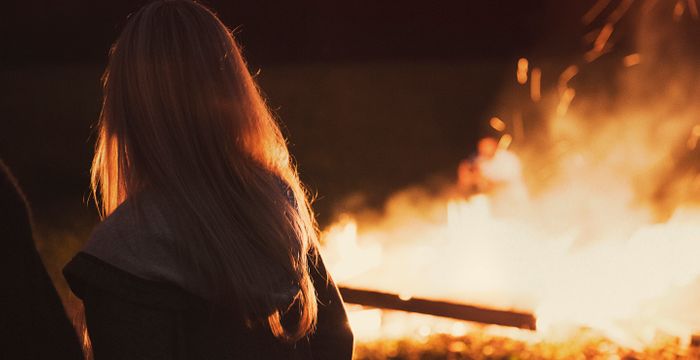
(373, 95)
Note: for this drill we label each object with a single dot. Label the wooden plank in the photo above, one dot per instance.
(446, 309)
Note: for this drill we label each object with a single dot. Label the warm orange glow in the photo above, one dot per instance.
(505, 141)
(567, 224)
(592, 55)
(366, 323)
(678, 10)
(566, 97)
(693, 8)
(518, 129)
(603, 37)
(585, 250)
(504, 250)
(566, 76)
(497, 124)
(594, 11)
(694, 137)
(600, 44)
(619, 11)
(631, 60)
(521, 73)
(535, 81)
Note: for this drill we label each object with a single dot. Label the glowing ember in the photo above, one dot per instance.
(620, 11)
(536, 77)
(678, 10)
(565, 101)
(497, 124)
(594, 11)
(521, 73)
(505, 141)
(693, 7)
(631, 60)
(565, 77)
(603, 37)
(593, 226)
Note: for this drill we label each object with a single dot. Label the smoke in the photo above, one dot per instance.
(607, 235)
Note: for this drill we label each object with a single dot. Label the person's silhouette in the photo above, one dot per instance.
(33, 323)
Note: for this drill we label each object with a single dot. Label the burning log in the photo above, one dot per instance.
(439, 308)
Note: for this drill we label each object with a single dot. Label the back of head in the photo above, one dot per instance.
(182, 119)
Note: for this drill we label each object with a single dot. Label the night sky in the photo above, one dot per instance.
(307, 31)
(373, 95)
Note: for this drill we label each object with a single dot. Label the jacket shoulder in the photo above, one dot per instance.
(136, 239)
(86, 273)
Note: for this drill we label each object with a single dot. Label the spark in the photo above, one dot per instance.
(619, 11)
(535, 80)
(693, 8)
(521, 73)
(594, 11)
(566, 76)
(678, 10)
(590, 36)
(497, 124)
(505, 141)
(632, 59)
(603, 37)
(565, 101)
(600, 43)
(592, 55)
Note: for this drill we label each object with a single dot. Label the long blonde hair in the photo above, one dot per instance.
(182, 118)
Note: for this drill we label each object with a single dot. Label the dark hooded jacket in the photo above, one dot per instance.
(142, 301)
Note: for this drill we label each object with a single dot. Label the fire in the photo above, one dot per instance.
(624, 283)
(595, 226)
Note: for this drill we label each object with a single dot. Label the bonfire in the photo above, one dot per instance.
(593, 232)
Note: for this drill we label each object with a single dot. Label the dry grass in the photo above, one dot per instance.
(585, 345)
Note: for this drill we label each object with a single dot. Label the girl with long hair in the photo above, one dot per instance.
(208, 247)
